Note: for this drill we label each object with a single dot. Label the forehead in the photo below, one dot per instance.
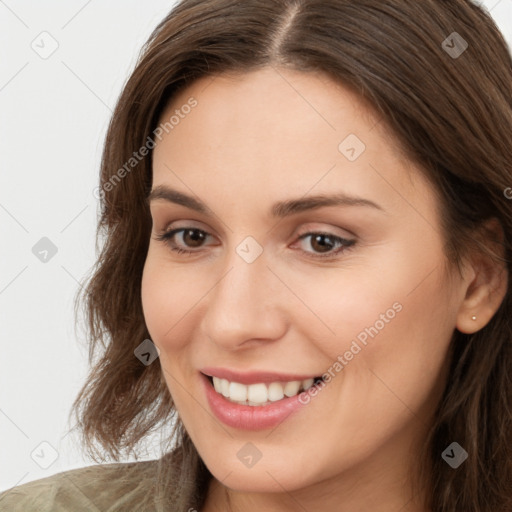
(274, 99)
(278, 130)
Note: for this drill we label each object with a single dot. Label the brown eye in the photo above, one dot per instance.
(326, 245)
(193, 237)
(321, 243)
(184, 240)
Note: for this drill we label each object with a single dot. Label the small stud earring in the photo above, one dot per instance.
(473, 317)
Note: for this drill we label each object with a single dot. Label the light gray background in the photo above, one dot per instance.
(54, 112)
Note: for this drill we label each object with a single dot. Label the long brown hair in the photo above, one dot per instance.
(439, 75)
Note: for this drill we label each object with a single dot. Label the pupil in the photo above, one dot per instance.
(196, 237)
(320, 239)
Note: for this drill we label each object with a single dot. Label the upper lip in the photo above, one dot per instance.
(254, 377)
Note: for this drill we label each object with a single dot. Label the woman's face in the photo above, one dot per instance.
(316, 250)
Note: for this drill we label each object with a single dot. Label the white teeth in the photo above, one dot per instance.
(292, 388)
(275, 391)
(307, 384)
(237, 392)
(224, 387)
(259, 394)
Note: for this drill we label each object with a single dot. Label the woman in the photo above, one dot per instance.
(305, 270)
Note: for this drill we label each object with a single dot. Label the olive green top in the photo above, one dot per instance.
(99, 488)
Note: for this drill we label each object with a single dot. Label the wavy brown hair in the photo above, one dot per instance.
(451, 116)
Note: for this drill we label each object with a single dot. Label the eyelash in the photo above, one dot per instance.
(166, 238)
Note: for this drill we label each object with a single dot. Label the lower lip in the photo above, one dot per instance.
(249, 417)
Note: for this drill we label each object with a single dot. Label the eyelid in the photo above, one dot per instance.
(184, 224)
(332, 231)
(344, 244)
(167, 234)
(304, 230)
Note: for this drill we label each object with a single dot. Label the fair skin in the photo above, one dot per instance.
(252, 141)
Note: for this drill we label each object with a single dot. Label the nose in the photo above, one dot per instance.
(246, 306)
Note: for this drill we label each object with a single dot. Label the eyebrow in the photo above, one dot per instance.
(279, 210)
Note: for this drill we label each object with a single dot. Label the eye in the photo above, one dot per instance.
(185, 240)
(180, 239)
(324, 243)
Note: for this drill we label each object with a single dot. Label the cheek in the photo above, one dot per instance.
(167, 296)
(395, 318)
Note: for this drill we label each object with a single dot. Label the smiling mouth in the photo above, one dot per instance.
(260, 394)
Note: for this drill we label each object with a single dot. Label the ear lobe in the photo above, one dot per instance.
(487, 281)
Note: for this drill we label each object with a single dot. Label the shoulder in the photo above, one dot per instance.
(98, 488)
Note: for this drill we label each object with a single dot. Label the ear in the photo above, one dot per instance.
(486, 279)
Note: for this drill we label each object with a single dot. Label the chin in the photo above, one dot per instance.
(272, 476)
